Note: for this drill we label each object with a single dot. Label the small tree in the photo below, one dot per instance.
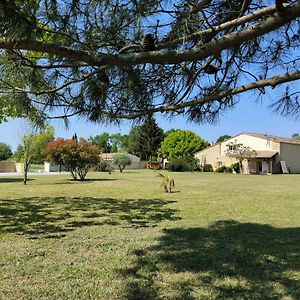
(28, 145)
(32, 148)
(240, 152)
(77, 156)
(182, 144)
(5, 151)
(40, 140)
(121, 160)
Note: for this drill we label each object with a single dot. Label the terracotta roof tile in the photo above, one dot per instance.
(272, 138)
(264, 154)
(107, 155)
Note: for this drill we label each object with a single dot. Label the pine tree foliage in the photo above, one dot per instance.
(110, 60)
(145, 140)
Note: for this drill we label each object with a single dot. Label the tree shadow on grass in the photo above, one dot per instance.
(89, 180)
(228, 260)
(13, 179)
(54, 217)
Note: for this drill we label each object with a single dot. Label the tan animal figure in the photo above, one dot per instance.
(168, 183)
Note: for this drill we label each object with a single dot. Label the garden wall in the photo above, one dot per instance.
(7, 166)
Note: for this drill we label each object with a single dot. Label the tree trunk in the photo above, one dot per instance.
(241, 167)
(26, 167)
(25, 178)
(73, 174)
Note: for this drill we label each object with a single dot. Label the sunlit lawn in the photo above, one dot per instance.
(118, 236)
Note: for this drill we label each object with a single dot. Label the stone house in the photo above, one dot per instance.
(272, 154)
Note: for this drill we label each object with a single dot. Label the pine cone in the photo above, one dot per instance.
(148, 43)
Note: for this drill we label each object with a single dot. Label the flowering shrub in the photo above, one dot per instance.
(76, 156)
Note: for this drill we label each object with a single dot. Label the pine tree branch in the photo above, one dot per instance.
(134, 114)
(163, 57)
(271, 82)
(52, 49)
(212, 48)
(54, 90)
(217, 29)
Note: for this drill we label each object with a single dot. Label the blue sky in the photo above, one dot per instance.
(248, 115)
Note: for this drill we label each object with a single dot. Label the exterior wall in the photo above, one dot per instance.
(143, 164)
(268, 166)
(136, 163)
(19, 167)
(276, 168)
(208, 155)
(213, 156)
(216, 155)
(290, 153)
(133, 166)
(7, 166)
(48, 167)
(251, 141)
(249, 166)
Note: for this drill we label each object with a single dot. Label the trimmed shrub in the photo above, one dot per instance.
(102, 166)
(229, 170)
(222, 169)
(208, 168)
(235, 167)
(179, 165)
(186, 164)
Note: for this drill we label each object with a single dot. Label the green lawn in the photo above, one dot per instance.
(118, 236)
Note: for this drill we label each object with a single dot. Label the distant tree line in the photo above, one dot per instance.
(5, 151)
(145, 140)
(149, 142)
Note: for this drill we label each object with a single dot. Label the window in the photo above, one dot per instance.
(231, 147)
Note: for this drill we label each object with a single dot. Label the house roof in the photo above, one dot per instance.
(272, 138)
(107, 155)
(211, 146)
(264, 154)
(261, 136)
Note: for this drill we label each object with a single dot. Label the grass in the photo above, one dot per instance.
(36, 168)
(118, 236)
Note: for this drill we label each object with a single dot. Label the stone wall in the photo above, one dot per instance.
(7, 166)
